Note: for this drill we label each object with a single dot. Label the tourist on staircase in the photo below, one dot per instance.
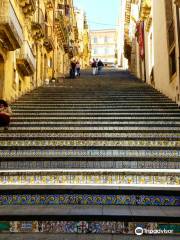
(94, 67)
(5, 113)
(78, 69)
(100, 65)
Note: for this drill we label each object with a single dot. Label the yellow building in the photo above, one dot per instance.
(38, 38)
(104, 45)
(152, 43)
(84, 39)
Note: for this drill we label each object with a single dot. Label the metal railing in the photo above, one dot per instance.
(39, 18)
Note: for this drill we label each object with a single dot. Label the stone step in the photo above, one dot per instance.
(79, 212)
(85, 235)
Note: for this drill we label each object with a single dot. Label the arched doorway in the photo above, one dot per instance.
(2, 75)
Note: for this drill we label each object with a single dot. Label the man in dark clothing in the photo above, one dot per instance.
(100, 66)
(73, 69)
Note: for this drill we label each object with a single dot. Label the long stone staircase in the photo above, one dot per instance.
(92, 155)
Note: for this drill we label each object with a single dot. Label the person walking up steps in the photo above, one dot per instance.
(100, 66)
(94, 66)
(78, 69)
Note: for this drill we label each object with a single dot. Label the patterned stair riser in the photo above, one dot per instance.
(89, 143)
(138, 177)
(89, 164)
(91, 227)
(88, 199)
(52, 153)
(89, 136)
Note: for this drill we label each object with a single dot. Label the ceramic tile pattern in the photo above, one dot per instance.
(88, 199)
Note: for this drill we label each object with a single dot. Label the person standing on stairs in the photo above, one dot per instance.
(94, 67)
(5, 114)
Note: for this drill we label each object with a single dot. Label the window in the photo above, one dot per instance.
(106, 51)
(105, 39)
(95, 39)
(95, 50)
(172, 62)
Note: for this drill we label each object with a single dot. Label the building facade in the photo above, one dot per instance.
(84, 39)
(122, 61)
(104, 45)
(152, 43)
(37, 40)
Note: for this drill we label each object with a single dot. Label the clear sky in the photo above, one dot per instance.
(101, 14)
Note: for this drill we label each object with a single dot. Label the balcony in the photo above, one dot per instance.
(76, 33)
(11, 33)
(25, 60)
(28, 6)
(49, 4)
(177, 2)
(61, 29)
(48, 40)
(38, 25)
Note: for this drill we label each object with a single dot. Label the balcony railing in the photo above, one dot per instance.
(26, 60)
(38, 24)
(59, 16)
(48, 40)
(61, 28)
(28, 6)
(11, 32)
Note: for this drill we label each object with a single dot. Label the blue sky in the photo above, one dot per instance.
(100, 11)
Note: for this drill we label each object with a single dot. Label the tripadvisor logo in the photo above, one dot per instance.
(140, 231)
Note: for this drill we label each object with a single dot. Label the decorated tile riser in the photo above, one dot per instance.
(89, 164)
(85, 178)
(110, 123)
(84, 227)
(114, 114)
(88, 153)
(93, 128)
(88, 199)
(91, 135)
(122, 143)
(94, 102)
